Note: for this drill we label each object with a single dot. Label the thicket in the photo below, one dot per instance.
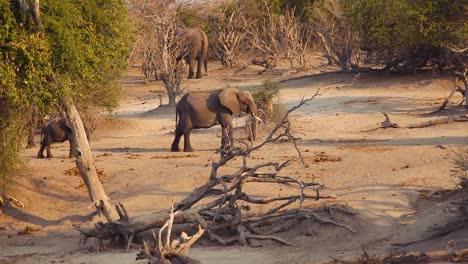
(411, 34)
(79, 49)
(401, 35)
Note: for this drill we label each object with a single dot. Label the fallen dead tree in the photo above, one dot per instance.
(172, 251)
(460, 78)
(219, 206)
(387, 123)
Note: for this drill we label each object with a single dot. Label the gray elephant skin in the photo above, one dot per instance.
(197, 48)
(206, 109)
(56, 131)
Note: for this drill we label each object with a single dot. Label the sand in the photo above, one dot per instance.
(390, 177)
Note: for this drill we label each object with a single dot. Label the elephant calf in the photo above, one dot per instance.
(56, 131)
(206, 109)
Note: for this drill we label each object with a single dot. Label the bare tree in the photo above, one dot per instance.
(229, 24)
(340, 44)
(161, 41)
(279, 36)
(294, 38)
(265, 48)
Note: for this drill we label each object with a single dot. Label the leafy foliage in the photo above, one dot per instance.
(405, 30)
(78, 50)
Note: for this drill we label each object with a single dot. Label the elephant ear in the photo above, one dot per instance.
(229, 98)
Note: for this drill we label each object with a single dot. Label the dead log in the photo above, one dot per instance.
(387, 123)
(85, 162)
(444, 120)
(171, 251)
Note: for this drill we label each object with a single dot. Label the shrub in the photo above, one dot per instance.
(264, 97)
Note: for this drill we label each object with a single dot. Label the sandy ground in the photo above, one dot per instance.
(392, 178)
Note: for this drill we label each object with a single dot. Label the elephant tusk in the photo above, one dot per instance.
(258, 118)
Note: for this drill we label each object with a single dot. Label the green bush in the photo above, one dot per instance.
(264, 97)
(79, 50)
(415, 31)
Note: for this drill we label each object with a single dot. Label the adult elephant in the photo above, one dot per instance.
(197, 49)
(206, 109)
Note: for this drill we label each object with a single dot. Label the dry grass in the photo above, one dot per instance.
(366, 148)
(174, 156)
(74, 172)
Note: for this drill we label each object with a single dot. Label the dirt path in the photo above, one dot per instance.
(387, 176)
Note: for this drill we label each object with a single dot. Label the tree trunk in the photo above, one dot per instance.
(32, 125)
(85, 162)
(35, 13)
(172, 98)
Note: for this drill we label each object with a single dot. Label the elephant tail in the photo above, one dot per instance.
(205, 51)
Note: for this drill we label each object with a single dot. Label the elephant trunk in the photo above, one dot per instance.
(254, 120)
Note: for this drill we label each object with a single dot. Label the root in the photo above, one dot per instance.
(460, 77)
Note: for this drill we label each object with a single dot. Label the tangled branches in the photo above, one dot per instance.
(219, 206)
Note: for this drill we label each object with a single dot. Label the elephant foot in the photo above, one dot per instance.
(175, 149)
(49, 156)
(198, 76)
(40, 157)
(189, 149)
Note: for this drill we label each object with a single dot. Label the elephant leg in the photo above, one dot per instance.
(40, 154)
(191, 63)
(199, 67)
(70, 154)
(49, 153)
(187, 144)
(231, 137)
(225, 141)
(175, 144)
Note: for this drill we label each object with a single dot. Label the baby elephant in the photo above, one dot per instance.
(56, 131)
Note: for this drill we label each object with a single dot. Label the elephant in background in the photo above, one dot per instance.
(206, 109)
(197, 49)
(57, 131)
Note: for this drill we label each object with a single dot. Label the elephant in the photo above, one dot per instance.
(197, 49)
(57, 131)
(206, 109)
